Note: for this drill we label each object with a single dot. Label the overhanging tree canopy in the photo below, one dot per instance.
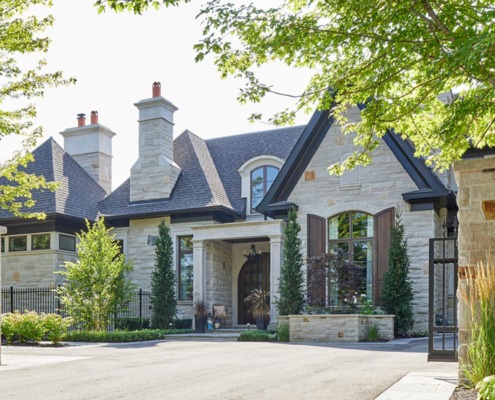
(395, 56)
(20, 35)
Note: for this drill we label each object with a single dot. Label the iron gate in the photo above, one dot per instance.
(443, 329)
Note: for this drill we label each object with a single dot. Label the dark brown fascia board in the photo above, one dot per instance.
(228, 213)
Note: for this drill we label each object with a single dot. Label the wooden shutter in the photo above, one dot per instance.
(317, 238)
(383, 223)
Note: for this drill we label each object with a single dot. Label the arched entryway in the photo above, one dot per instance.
(254, 274)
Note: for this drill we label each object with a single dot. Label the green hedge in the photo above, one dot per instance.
(31, 327)
(123, 336)
(258, 336)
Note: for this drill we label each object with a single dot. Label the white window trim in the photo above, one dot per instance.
(245, 172)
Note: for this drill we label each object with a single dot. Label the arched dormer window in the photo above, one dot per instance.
(257, 175)
(261, 180)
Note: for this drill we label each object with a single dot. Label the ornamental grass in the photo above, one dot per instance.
(479, 296)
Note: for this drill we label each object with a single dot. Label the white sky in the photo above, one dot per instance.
(117, 57)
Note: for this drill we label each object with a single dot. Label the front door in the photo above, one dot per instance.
(255, 274)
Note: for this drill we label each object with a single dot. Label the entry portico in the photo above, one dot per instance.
(219, 257)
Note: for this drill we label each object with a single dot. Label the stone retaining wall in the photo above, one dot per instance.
(338, 328)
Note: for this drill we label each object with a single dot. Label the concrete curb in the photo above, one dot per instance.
(422, 386)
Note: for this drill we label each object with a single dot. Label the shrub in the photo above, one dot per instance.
(122, 336)
(30, 328)
(479, 296)
(55, 327)
(131, 324)
(185, 323)
(486, 388)
(257, 335)
(10, 326)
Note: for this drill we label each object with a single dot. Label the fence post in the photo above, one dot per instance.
(12, 299)
(59, 310)
(140, 303)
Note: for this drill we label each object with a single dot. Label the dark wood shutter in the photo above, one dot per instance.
(384, 221)
(317, 238)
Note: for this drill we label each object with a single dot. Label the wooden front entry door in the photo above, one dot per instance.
(255, 274)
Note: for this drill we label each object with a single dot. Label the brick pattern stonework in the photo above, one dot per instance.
(35, 268)
(476, 181)
(338, 328)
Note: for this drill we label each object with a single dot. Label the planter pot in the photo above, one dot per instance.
(261, 324)
(200, 324)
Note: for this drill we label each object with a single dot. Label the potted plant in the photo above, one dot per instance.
(259, 309)
(200, 315)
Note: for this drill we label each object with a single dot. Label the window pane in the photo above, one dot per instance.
(186, 243)
(271, 174)
(3, 244)
(255, 201)
(362, 225)
(185, 268)
(339, 226)
(363, 257)
(40, 242)
(18, 243)
(67, 243)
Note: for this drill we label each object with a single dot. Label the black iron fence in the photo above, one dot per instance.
(45, 300)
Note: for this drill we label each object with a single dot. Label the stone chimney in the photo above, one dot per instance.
(154, 174)
(91, 147)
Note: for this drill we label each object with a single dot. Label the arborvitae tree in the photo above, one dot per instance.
(397, 295)
(291, 300)
(163, 280)
(97, 284)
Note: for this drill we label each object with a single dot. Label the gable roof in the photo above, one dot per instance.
(430, 188)
(209, 180)
(78, 194)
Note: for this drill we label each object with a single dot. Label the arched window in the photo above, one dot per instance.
(261, 180)
(353, 233)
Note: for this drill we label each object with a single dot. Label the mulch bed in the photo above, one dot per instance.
(461, 393)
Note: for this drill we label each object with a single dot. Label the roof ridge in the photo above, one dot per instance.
(209, 169)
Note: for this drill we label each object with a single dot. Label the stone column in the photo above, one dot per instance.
(275, 265)
(476, 199)
(199, 269)
(3, 231)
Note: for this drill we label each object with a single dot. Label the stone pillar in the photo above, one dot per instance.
(199, 269)
(3, 231)
(275, 265)
(476, 200)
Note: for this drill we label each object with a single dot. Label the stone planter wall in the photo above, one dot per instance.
(338, 328)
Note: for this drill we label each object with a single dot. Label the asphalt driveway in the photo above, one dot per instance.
(210, 370)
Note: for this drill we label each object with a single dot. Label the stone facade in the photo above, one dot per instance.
(380, 186)
(338, 328)
(35, 268)
(476, 181)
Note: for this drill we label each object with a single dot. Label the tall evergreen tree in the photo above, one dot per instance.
(397, 295)
(291, 300)
(163, 280)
